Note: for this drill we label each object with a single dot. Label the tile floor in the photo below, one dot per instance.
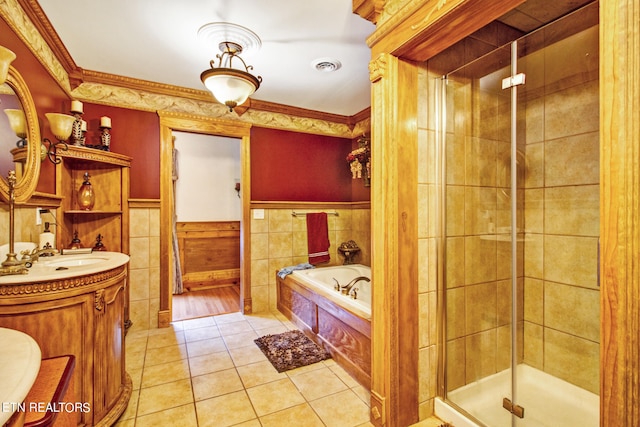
(208, 372)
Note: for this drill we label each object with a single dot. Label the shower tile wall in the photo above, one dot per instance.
(280, 240)
(562, 298)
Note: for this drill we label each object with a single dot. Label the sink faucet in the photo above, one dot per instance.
(28, 258)
(347, 288)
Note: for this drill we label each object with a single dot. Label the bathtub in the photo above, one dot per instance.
(341, 324)
(321, 280)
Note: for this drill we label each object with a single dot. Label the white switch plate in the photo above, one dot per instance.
(38, 217)
(258, 214)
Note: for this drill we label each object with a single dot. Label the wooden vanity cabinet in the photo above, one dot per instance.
(81, 316)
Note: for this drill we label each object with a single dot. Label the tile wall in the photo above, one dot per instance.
(279, 240)
(144, 265)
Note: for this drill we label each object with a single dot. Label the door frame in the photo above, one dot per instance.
(169, 122)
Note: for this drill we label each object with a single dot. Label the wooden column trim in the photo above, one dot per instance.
(394, 387)
(620, 212)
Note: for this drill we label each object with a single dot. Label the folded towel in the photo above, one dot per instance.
(318, 237)
(283, 272)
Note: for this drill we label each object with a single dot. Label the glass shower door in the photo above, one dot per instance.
(521, 209)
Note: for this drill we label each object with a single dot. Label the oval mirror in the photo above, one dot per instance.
(19, 138)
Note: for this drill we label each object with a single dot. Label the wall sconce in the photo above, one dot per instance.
(61, 126)
(18, 124)
(6, 57)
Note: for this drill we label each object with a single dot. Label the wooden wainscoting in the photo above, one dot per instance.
(209, 253)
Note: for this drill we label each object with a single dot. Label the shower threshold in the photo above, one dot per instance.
(548, 402)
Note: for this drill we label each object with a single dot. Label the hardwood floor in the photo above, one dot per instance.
(206, 302)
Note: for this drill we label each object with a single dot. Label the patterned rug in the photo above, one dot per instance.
(290, 350)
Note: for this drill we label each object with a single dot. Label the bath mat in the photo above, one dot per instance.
(290, 350)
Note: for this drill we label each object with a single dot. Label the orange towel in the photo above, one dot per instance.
(318, 238)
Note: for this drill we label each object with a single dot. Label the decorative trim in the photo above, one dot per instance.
(85, 153)
(24, 289)
(378, 67)
(98, 299)
(164, 318)
(310, 205)
(23, 26)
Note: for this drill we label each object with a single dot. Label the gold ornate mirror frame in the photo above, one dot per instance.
(28, 179)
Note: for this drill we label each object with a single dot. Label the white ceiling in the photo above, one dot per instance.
(156, 40)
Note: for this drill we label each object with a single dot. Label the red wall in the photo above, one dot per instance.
(291, 166)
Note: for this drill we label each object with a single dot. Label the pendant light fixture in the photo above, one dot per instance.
(229, 80)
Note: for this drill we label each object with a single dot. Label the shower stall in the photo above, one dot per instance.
(519, 188)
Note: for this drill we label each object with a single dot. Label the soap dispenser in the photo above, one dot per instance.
(47, 238)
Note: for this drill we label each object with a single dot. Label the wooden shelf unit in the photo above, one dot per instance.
(110, 181)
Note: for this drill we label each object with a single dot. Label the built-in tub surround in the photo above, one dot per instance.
(74, 304)
(337, 321)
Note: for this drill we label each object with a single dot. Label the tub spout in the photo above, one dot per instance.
(347, 288)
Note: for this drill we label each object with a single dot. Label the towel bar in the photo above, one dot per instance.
(297, 214)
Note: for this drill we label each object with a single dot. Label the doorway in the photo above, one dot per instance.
(171, 122)
(208, 212)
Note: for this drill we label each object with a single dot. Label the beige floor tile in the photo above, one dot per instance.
(252, 423)
(271, 330)
(135, 359)
(213, 362)
(200, 322)
(226, 410)
(240, 340)
(319, 383)
(200, 348)
(165, 338)
(229, 318)
(235, 328)
(259, 373)
(343, 375)
(200, 334)
(363, 394)
(305, 369)
(429, 422)
(181, 416)
(274, 396)
(263, 320)
(158, 356)
(216, 384)
(165, 396)
(132, 407)
(125, 423)
(246, 355)
(136, 377)
(136, 344)
(343, 409)
(300, 415)
(165, 373)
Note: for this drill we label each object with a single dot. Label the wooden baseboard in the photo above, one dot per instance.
(164, 318)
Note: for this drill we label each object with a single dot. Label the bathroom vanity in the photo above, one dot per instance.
(74, 304)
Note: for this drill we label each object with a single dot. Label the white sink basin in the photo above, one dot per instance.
(75, 261)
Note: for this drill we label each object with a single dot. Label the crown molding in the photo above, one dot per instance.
(28, 20)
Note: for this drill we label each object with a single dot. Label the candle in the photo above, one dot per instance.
(76, 107)
(105, 122)
(83, 126)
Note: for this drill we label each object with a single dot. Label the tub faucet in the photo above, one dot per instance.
(347, 288)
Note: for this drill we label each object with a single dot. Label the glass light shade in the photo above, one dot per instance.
(6, 57)
(61, 125)
(228, 86)
(17, 122)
